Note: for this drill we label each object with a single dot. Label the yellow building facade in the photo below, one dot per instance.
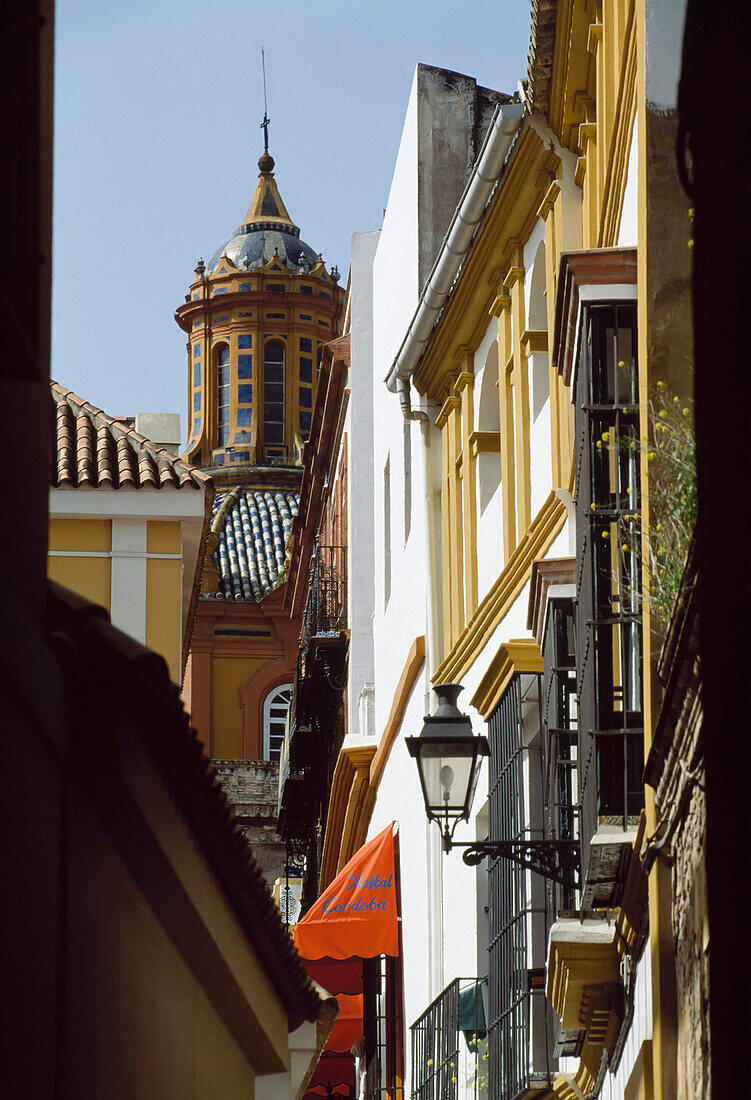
(595, 166)
(128, 526)
(530, 364)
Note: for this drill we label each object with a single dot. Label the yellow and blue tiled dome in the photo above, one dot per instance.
(253, 526)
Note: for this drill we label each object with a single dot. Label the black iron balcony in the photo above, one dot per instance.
(315, 729)
(326, 606)
(449, 1045)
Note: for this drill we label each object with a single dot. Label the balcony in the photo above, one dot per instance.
(449, 1045)
(315, 729)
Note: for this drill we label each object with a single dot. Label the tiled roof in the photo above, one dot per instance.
(93, 450)
(253, 526)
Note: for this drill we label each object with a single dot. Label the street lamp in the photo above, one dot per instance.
(448, 762)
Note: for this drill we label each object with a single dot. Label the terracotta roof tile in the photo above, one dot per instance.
(93, 450)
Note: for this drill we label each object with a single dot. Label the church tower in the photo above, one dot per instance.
(256, 317)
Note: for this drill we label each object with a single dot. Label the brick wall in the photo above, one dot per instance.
(691, 932)
(252, 787)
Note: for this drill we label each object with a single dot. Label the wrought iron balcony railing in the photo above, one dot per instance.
(449, 1045)
(326, 606)
(317, 694)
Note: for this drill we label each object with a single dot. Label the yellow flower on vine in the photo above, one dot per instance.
(606, 534)
(685, 412)
(660, 385)
(606, 437)
(624, 546)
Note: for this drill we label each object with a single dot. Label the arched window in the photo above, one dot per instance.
(489, 420)
(273, 398)
(275, 707)
(538, 320)
(222, 396)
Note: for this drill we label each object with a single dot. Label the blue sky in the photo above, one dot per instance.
(158, 105)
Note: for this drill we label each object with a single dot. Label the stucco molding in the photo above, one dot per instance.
(542, 532)
(518, 655)
(547, 573)
(346, 803)
(593, 267)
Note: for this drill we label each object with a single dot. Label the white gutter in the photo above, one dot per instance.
(485, 174)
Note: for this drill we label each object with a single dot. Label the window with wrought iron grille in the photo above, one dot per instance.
(384, 1030)
(608, 632)
(560, 744)
(519, 1018)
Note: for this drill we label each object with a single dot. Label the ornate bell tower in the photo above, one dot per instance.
(256, 317)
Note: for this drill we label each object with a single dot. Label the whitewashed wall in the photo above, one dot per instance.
(360, 517)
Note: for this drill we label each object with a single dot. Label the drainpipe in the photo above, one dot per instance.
(484, 176)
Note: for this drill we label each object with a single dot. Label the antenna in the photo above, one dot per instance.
(266, 119)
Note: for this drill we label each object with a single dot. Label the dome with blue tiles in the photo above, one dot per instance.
(253, 527)
(266, 232)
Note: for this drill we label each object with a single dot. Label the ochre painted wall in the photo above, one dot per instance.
(163, 607)
(138, 1022)
(228, 675)
(90, 577)
(164, 593)
(163, 537)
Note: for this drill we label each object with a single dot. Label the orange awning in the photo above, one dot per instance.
(356, 918)
(334, 1073)
(336, 975)
(358, 913)
(348, 1027)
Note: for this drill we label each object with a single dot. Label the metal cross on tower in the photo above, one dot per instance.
(266, 119)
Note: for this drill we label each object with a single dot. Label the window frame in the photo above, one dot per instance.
(272, 700)
(223, 393)
(274, 448)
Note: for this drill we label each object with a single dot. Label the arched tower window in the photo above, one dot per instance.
(222, 396)
(275, 707)
(273, 399)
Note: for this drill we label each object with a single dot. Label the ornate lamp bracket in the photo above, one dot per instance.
(558, 860)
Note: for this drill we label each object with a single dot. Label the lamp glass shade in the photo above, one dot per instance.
(448, 774)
